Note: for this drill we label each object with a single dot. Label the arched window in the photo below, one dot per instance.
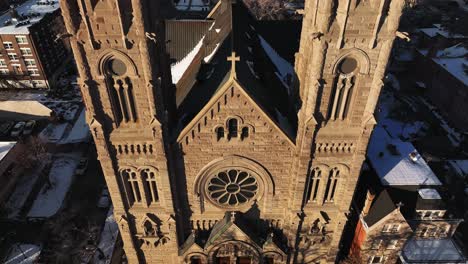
(120, 90)
(314, 184)
(149, 229)
(149, 183)
(132, 187)
(219, 133)
(332, 183)
(232, 128)
(344, 84)
(244, 133)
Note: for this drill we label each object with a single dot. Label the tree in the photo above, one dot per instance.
(267, 9)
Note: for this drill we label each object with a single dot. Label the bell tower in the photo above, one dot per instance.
(123, 77)
(344, 49)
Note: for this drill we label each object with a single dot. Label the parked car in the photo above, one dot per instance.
(29, 127)
(82, 166)
(104, 199)
(5, 127)
(18, 129)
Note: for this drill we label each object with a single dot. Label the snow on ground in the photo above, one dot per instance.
(23, 188)
(22, 254)
(50, 198)
(285, 69)
(53, 132)
(181, 67)
(108, 238)
(80, 131)
(5, 147)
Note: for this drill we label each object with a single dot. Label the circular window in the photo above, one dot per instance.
(117, 67)
(347, 65)
(232, 187)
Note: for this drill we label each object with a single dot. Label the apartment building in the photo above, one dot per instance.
(31, 53)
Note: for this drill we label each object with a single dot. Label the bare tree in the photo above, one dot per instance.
(267, 9)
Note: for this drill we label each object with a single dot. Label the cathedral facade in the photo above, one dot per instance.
(215, 147)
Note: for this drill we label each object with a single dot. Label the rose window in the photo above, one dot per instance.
(232, 187)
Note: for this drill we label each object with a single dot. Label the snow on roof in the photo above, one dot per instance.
(193, 5)
(432, 250)
(453, 60)
(24, 110)
(429, 194)
(22, 254)
(397, 162)
(5, 147)
(285, 69)
(460, 167)
(439, 30)
(32, 11)
(178, 69)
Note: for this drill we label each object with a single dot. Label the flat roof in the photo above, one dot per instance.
(432, 250)
(429, 194)
(390, 158)
(32, 10)
(5, 147)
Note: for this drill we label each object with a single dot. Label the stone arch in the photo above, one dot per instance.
(235, 248)
(109, 54)
(203, 257)
(358, 54)
(278, 256)
(266, 187)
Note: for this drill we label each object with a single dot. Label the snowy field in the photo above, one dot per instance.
(108, 238)
(22, 254)
(80, 131)
(50, 198)
(22, 190)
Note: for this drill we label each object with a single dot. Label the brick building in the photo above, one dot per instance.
(214, 147)
(31, 56)
(442, 70)
(403, 216)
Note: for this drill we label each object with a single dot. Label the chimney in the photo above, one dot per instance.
(367, 204)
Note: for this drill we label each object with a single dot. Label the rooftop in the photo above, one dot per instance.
(27, 14)
(429, 194)
(454, 60)
(439, 30)
(434, 250)
(398, 163)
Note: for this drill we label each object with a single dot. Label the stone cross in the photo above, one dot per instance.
(233, 59)
(233, 216)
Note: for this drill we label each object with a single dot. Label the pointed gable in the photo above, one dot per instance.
(233, 98)
(254, 75)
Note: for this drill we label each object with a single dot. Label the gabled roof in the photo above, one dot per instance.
(255, 71)
(398, 163)
(381, 207)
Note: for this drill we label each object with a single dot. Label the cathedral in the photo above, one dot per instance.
(224, 139)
